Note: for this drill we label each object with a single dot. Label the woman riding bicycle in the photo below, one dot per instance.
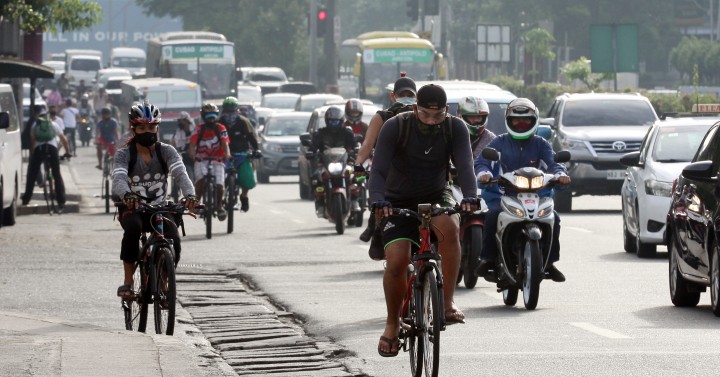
(140, 171)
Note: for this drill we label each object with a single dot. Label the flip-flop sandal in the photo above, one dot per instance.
(124, 291)
(454, 316)
(391, 342)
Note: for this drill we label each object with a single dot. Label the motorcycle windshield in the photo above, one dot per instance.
(334, 155)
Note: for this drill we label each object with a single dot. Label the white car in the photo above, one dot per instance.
(666, 149)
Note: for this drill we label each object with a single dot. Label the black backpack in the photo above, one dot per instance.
(132, 148)
(405, 121)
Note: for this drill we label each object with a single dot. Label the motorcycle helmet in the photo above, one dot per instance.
(354, 111)
(334, 117)
(230, 105)
(105, 111)
(145, 113)
(209, 110)
(477, 107)
(524, 109)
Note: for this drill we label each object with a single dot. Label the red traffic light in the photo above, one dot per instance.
(322, 15)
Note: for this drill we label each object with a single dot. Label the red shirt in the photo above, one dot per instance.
(209, 146)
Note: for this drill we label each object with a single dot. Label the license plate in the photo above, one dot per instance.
(294, 163)
(616, 174)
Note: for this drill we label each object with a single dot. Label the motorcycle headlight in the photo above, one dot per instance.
(272, 147)
(513, 210)
(537, 182)
(544, 212)
(658, 188)
(522, 182)
(335, 168)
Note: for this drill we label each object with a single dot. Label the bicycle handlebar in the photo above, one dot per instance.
(434, 211)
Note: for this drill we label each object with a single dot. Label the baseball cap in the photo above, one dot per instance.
(403, 84)
(432, 96)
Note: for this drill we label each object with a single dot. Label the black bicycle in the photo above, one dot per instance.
(154, 276)
(232, 189)
(209, 196)
(48, 182)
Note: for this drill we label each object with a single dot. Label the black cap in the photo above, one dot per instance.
(404, 83)
(432, 96)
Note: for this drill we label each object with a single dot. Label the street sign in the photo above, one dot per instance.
(706, 108)
(613, 48)
(397, 55)
(493, 43)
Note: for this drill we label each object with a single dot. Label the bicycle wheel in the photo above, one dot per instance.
(413, 322)
(230, 201)
(473, 242)
(136, 306)
(209, 209)
(50, 184)
(432, 322)
(164, 300)
(107, 194)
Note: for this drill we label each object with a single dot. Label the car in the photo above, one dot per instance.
(692, 227)
(597, 129)
(10, 160)
(262, 114)
(249, 93)
(299, 87)
(58, 66)
(279, 144)
(113, 87)
(309, 102)
(267, 78)
(104, 75)
(39, 100)
(280, 101)
(645, 194)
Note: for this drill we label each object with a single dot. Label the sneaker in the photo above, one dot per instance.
(98, 167)
(376, 251)
(484, 267)
(554, 273)
(366, 235)
(60, 208)
(221, 215)
(244, 204)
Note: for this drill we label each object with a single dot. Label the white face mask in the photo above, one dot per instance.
(407, 100)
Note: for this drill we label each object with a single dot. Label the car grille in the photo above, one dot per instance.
(615, 146)
(608, 165)
(288, 148)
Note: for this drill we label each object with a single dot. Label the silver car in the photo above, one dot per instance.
(279, 143)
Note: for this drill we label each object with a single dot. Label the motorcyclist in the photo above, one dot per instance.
(353, 117)
(86, 112)
(475, 112)
(518, 148)
(242, 140)
(333, 135)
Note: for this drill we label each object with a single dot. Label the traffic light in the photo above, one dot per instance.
(322, 20)
(431, 7)
(413, 9)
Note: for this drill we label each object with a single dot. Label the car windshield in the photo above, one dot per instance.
(285, 126)
(678, 144)
(128, 62)
(607, 112)
(267, 76)
(85, 65)
(249, 94)
(279, 102)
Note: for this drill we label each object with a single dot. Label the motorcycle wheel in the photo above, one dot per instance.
(532, 268)
(510, 296)
(337, 208)
(358, 218)
(473, 243)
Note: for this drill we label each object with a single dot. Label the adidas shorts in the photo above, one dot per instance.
(218, 170)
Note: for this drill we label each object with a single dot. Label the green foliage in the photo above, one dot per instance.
(543, 94)
(538, 42)
(48, 15)
(580, 70)
(664, 103)
(509, 83)
(697, 60)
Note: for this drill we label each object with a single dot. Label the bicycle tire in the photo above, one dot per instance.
(50, 184)
(208, 200)
(107, 195)
(473, 243)
(230, 202)
(432, 321)
(136, 309)
(46, 194)
(415, 345)
(165, 292)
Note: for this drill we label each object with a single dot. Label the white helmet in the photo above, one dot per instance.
(521, 108)
(474, 106)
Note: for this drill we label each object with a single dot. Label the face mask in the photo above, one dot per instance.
(146, 139)
(406, 100)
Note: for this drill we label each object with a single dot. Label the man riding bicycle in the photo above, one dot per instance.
(107, 133)
(242, 140)
(209, 149)
(410, 167)
(140, 172)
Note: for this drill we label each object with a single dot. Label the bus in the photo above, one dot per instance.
(203, 57)
(372, 60)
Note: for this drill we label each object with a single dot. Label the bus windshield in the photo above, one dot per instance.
(214, 78)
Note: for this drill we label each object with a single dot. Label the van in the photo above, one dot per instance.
(9, 156)
(82, 65)
(170, 95)
(130, 58)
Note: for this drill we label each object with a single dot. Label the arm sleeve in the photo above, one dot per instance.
(483, 165)
(120, 184)
(252, 139)
(349, 140)
(384, 152)
(316, 140)
(462, 157)
(176, 169)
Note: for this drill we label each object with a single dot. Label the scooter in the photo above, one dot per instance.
(524, 230)
(85, 128)
(334, 173)
(471, 238)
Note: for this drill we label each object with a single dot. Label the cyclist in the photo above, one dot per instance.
(71, 117)
(210, 143)
(106, 135)
(145, 177)
(333, 135)
(353, 117)
(242, 140)
(405, 176)
(519, 147)
(44, 135)
(475, 112)
(403, 97)
(181, 139)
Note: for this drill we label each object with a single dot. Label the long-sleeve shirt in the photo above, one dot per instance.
(420, 171)
(148, 179)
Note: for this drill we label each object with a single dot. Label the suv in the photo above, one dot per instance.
(597, 129)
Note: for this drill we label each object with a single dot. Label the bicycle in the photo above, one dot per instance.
(232, 189)
(423, 317)
(154, 276)
(106, 169)
(49, 182)
(209, 196)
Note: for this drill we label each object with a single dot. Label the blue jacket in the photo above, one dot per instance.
(515, 154)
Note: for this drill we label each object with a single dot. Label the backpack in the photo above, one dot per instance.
(405, 122)
(132, 148)
(44, 130)
(393, 110)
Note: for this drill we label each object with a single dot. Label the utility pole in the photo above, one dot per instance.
(330, 49)
(312, 74)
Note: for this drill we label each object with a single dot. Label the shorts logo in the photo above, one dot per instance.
(388, 226)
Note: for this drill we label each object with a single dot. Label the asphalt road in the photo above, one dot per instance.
(613, 316)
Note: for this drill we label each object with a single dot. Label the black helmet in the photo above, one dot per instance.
(334, 117)
(354, 111)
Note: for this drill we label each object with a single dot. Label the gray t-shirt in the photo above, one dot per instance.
(149, 180)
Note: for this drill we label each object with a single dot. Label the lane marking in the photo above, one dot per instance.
(578, 229)
(276, 212)
(599, 330)
(298, 221)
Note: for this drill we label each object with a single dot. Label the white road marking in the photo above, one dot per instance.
(599, 330)
(298, 221)
(578, 229)
(276, 212)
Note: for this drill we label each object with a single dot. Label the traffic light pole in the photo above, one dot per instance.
(312, 74)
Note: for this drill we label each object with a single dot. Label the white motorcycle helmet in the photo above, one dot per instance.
(521, 108)
(474, 106)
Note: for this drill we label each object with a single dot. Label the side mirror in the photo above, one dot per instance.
(306, 140)
(490, 154)
(631, 159)
(261, 121)
(261, 127)
(548, 122)
(562, 156)
(699, 171)
(4, 120)
(545, 132)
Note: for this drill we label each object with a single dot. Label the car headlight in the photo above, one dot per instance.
(335, 168)
(658, 188)
(574, 144)
(513, 210)
(272, 147)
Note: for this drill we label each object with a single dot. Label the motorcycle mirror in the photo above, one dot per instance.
(490, 154)
(562, 156)
(306, 140)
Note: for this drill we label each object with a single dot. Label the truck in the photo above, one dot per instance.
(82, 65)
(130, 58)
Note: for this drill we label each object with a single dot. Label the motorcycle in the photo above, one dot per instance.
(524, 231)
(85, 127)
(471, 239)
(335, 173)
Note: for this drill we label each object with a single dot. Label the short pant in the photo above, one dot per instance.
(218, 170)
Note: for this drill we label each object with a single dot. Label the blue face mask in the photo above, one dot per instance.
(406, 100)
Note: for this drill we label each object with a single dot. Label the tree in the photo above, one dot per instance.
(580, 70)
(538, 43)
(48, 15)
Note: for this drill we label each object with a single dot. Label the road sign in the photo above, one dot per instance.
(493, 43)
(614, 48)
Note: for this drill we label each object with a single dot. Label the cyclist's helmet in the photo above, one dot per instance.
(230, 105)
(334, 117)
(521, 108)
(209, 110)
(474, 106)
(145, 113)
(354, 111)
